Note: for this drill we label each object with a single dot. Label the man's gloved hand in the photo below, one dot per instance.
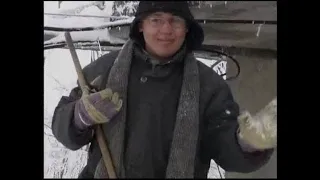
(259, 131)
(97, 108)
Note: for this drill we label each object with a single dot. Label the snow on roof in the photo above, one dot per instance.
(81, 22)
(101, 35)
(52, 33)
(71, 22)
(80, 8)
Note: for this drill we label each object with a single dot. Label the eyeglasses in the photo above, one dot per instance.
(176, 22)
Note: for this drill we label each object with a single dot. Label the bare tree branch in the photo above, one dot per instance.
(47, 126)
(48, 134)
(61, 86)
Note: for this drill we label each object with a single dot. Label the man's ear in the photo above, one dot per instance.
(140, 26)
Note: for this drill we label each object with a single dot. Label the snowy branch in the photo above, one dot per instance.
(101, 35)
(48, 134)
(74, 15)
(47, 126)
(75, 23)
(61, 86)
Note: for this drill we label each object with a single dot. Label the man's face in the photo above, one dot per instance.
(163, 33)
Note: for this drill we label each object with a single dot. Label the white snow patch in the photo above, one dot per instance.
(81, 22)
(95, 11)
(78, 8)
(72, 22)
(101, 35)
(50, 6)
(73, 7)
(108, 7)
(59, 78)
(54, 33)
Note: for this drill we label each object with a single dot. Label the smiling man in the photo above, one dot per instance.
(166, 42)
(164, 114)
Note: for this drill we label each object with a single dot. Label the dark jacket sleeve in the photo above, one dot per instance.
(63, 127)
(220, 136)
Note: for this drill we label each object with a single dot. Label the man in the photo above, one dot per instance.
(164, 114)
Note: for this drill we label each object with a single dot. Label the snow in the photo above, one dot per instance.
(79, 22)
(72, 22)
(60, 77)
(95, 11)
(82, 22)
(76, 7)
(54, 33)
(129, 6)
(102, 35)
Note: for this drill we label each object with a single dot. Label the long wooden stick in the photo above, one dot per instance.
(100, 136)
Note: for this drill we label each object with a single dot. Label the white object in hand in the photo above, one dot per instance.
(260, 131)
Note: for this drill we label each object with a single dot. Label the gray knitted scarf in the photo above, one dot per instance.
(184, 143)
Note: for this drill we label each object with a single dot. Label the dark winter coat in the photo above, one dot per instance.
(153, 95)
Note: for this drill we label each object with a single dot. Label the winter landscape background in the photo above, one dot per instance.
(60, 77)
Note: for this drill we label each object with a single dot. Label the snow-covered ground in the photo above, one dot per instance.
(60, 77)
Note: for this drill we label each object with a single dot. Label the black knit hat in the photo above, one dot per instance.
(195, 35)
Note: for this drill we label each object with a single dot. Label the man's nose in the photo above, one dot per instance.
(166, 27)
